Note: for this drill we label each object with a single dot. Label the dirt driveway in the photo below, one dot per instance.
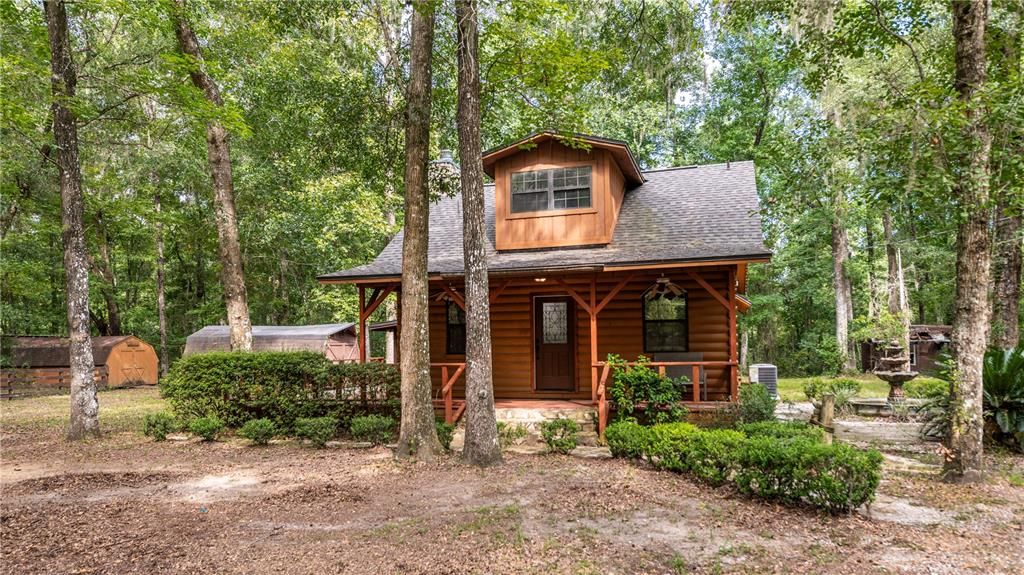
(123, 504)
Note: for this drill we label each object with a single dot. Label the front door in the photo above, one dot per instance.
(553, 343)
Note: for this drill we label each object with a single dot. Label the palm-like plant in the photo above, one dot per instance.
(1003, 374)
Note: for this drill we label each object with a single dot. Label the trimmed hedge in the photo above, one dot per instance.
(377, 429)
(258, 431)
(771, 460)
(318, 430)
(280, 386)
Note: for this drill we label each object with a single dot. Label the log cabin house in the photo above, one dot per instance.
(589, 255)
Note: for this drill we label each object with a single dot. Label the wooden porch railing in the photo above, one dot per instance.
(599, 387)
(452, 412)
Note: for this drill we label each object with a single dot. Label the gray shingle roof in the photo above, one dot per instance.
(680, 214)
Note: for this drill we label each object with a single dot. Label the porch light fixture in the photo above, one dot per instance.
(664, 288)
(540, 280)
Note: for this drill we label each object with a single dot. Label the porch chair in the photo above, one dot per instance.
(674, 371)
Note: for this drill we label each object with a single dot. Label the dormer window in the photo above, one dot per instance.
(558, 189)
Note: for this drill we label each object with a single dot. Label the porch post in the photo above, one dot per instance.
(362, 325)
(593, 338)
(734, 380)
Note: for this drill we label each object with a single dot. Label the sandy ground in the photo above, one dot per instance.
(125, 504)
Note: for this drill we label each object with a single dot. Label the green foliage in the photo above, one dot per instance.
(639, 385)
(771, 460)
(377, 429)
(208, 427)
(756, 403)
(926, 388)
(560, 435)
(510, 434)
(627, 439)
(445, 433)
(1003, 374)
(783, 430)
(842, 388)
(259, 431)
(837, 478)
(158, 425)
(280, 386)
(318, 430)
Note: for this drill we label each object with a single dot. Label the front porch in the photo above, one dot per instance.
(552, 332)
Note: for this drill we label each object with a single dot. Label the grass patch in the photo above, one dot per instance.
(120, 410)
(502, 524)
(792, 388)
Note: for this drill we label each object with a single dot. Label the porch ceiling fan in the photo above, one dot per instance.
(664, 288)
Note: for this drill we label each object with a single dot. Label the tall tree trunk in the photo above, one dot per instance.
(843, 289)
(869, 239)
(899, 307)
(218, 153)
(964, 461)
(161, 301)
(1006, 299)
(418, 436)
(481, 446)
(84, 403)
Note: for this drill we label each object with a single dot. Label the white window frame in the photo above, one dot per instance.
(551, 189)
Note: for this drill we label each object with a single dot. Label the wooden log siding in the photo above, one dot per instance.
(619, 325)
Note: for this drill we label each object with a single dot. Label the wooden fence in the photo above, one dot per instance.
(34, 381)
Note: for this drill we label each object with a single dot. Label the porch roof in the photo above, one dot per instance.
(678, 215)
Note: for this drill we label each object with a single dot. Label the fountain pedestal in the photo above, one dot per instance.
(894, 369)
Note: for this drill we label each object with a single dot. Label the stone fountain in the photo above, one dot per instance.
(894, 369)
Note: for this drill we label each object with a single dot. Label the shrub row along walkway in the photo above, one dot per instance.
(125, 504)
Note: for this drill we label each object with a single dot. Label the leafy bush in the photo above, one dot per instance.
(158, 425)
(445, 433)
(771, 460)
(816, 354)
(1003, 374)
(259, 431)
(377, 429)
(755, 404)
(560, 435)
(510, 434)
(318, 430)
(281, 386)
(835, 477)
(783, 430)
(638, 385)
(206, 427)
(627, 439)
(843, 389)
(925, 388)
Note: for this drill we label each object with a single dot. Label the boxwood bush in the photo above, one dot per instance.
(206, 427)
(280, 386)
(259, 431)
(318, 430)
(158, 425)
(770, 460)
(377, 429)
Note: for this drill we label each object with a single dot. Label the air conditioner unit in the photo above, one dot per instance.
(767, 375)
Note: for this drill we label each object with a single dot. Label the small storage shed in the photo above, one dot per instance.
(927, 343)
(337, 341)
(120, 360)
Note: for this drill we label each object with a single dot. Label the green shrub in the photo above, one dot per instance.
(843, 389)
(637, 385)
(206, 427)
(835, 477)
(259, 431)
(755, 404)
(706, 454)
(281, 386)
(318, 430)
(925, 388)
(560, 435)
(666, 445)
(783, 430)
(510, 434)
(627, 439)
(377, 429)
(158, 425)
(445, 433)
(1003, 376)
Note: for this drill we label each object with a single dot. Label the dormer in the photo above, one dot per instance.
(553, 191)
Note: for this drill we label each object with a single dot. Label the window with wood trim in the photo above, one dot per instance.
(666, 325)
(455, 330)
(558, 189)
